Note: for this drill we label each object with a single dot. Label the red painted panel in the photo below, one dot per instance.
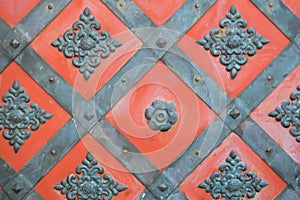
(211, 164)
(159, 10)
(255, 64)
(39, 137)
(74, 158)
(128, 116)
(294, 5)
(64, 66)
(280, 134)
(12, 11)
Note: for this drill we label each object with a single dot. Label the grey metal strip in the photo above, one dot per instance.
(177, 195)
(131, 15)
(4, 27)
(287, 194)
(30, 27)
(52, 152)
(196, 79)
(280, 15)
(17, 187)
(4, 57)
(268, 150)
(33, 195)
(264, 84)
(188, 14)
(123, 80)
(201, 147)
(6, 172)
(146, 195)
(125, 152)
(3, 196)
(296, 185)
(36, 67)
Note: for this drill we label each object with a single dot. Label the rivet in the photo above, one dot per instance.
(50, 6)
(88, 116)
(198, 79)
(268, 150)
(123, 80)
(197, 5)
(197, 152)
(51, 79)
(162, 187)
(121, 4)
(17, 188)
(125, 151)
(53, 152)
(271, 5)
(161, 42)
(234, 113)
(269, 78)
(14, 43)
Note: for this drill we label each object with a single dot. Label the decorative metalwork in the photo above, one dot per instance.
(17, 118)
(232, 42)
(233, 183)
(91, 184)
(161, 115)
(85, 44)
(289, 114)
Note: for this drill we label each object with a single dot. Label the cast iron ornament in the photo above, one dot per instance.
(85, 45)
(90, 183)
(161, 115)
(232, 183)
(289, 114)
(18, 118)
(233, 42)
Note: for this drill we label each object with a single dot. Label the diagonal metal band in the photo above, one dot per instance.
(28, 28)
(125, 152)
(280, 15)
(270, 152)
(264, 84)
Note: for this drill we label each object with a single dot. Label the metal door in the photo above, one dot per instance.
(140, 99)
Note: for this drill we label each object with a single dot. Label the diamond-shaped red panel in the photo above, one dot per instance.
(128, 116)
(159, 10)
(74, 158)
(211, 164)
(39, 137)
(294, 5)
(212, 66)
(13, 11)
(64, 66)
(274, 128)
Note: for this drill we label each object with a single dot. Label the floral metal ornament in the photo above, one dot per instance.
(161, 115)
(233, 42)
(85, 44)
(289, 114)
(90, 183)
(17, 118)
(232, 182)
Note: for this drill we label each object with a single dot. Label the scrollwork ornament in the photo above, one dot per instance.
(233, 42)
(233, 182)
(90, 183)
(85, 44)
(17, 118)
(288, 113)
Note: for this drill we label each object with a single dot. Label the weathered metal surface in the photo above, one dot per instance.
(232, 182)
(233, 112)
(89, 183)
(85, 45)
(232, 42)
(18, 118)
